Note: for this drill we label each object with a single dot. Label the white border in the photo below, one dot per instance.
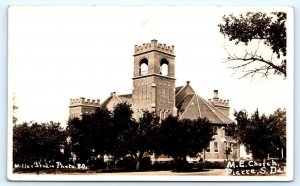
(109, 177)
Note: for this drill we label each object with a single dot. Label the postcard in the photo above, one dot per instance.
(150, 93)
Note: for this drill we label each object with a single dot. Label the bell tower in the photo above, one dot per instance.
(154, 79)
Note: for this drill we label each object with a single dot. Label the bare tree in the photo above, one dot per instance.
(248, 27)
(15, 108)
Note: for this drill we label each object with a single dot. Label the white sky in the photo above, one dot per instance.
(59, 53)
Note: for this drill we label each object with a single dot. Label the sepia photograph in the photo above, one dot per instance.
(150, 93)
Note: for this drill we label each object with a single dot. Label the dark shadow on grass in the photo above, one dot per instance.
(191, 170)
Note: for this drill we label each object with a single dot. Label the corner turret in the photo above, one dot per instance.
(222, 105)
(82, 106)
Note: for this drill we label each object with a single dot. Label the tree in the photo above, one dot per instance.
(78, 135)
(80, 131)
(261, 135)
(144, 137)
(34, 142)
(101, 130)
(122, 129)
(278, 123)
(91, 135)
(269, 28)
(15, 108)
(181, 138)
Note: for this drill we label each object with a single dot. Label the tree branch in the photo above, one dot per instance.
(250, 58)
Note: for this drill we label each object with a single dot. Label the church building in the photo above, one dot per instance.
(154, 90)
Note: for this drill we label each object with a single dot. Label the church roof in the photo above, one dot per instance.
(189, 105)
(126, 98)
(193, 106)
(177, 89)
(106, 101)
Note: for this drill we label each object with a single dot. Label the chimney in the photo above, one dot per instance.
(216, 96)
(187, 82)
(113, 94)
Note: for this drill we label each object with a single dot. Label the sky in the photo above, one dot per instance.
(61, 53)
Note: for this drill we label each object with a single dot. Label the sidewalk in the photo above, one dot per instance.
(208, 172)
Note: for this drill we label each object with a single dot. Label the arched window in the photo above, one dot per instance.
(215, 130)
(161, 115)
(144, 67)
(164, 67)
(166, 113)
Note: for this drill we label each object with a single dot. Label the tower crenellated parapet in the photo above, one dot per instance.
(154, 78)
(154, 45)
(83, 101)
(221, 104)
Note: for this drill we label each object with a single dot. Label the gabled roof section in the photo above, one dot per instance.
(183, 92)
(185, 102)
(126, 98)
(113, 97)
(177, 89)
(106, 101)
(189, 108)
(212, 113)
(118, 98)
(192, 106)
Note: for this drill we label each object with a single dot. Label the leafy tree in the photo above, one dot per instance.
(80, 131)
(141, 139)
(131, 137)
(33, 142)
(269, 28)
(261, 135)
(90, 135)
(122, 129)
(146, 135)
(181, 138)
(278, 123)
(101, 130)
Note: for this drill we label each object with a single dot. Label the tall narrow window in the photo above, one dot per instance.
(142, 91)
(231, 147)
(145, 91)
(164, 67)
(149, 91)
(216, 147)
(208, 148)
(144, 67)
(161, 115)
(215, 130)
(169, 93)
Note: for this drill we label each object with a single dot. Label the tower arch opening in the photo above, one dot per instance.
(143, 67)
(164, 67)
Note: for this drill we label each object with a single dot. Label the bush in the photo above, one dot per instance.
(145, 164)
(128, 163)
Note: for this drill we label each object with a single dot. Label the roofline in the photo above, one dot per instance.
(123, 95)
(155, 51)
(84, 105)
(153, 74)
(187, 106)
(198, 106)
(180, 90)
(119, 98)
(188, 84)
(211, 109)
(184, 98)
(106, 100)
